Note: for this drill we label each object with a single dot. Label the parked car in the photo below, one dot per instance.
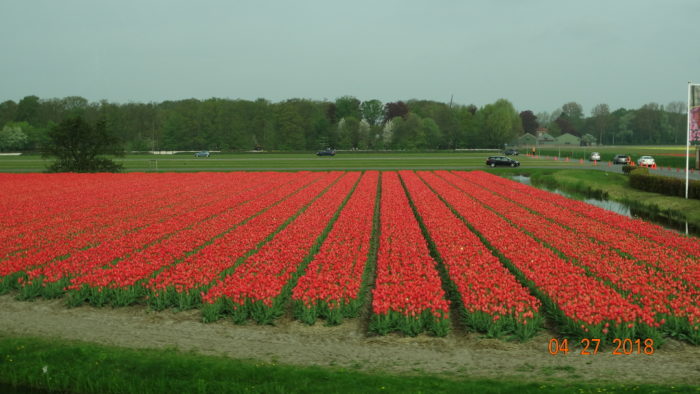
(202, 153)
(621, 159)
(494, 161)
(595, 156)
(327, 152)
(511, 152)
(646, 161)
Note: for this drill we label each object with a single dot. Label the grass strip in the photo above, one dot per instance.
(33, 364)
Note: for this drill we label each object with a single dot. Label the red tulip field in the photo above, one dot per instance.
(411, 251)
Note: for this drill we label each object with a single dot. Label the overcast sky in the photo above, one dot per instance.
(538, 54)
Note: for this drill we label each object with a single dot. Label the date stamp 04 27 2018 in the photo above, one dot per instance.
(591, 346)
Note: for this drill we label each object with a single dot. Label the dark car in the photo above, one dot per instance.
(621, 159)
(494, 161)
(511, 152)
(327, 152)
(202, 153)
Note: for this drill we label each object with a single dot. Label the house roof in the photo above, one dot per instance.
(568, 136)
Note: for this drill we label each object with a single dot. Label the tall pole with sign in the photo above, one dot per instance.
(693, 126)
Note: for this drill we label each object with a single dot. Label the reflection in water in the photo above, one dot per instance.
(614, 206)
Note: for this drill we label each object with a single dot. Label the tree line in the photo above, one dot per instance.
(345, 123)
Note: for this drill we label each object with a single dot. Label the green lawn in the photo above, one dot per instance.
(70, 366)
(286, 161)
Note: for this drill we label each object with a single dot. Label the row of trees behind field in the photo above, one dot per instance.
(345, 123)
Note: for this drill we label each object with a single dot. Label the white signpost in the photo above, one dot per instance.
(693, 126)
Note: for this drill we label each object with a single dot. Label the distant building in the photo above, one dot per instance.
(526, 139)
(567, 139)
(545, 139)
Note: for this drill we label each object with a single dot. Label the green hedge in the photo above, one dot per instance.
(640, 179)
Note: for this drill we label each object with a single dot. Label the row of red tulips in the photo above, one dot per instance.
(193, 250)
(660, 255)
(658, 294)
(184, 285)
(408, 296)
(170, 241)
(259, 287)
(490, 297)
(85, 215)
(163, 223)
(582, 305)
(105, 227)
(68, 192)
(332, 285)
(663, 239)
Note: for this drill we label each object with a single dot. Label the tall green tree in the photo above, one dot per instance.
(622, 131)
(290, 126)
(349, 133)
(347, 106)
(433, 135)
(571, 118)
(445, 117)
(8, 112)
(466, 135)
(600, 121)
(82, 147)
(409, 133)
(372, 112)
(28, 109)
(646, 124)
(500, 123)
(677, 121)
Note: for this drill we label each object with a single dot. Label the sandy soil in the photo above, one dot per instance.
(459, 354)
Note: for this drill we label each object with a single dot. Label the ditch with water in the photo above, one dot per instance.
(617, 207)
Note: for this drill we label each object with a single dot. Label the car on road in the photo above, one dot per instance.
(494, 161)
(646, 161)
(202, 153)
(621, 159)
(327, 152)
(511, 152)
(595, 156)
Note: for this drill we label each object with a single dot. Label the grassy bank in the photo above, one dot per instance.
(284, 161)
(58, 365)
(616, 187)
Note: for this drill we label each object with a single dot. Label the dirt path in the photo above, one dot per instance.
(346, 345)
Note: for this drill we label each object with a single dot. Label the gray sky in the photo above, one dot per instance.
(538, 54)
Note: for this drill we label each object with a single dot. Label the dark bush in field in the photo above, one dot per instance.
(628, 169)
